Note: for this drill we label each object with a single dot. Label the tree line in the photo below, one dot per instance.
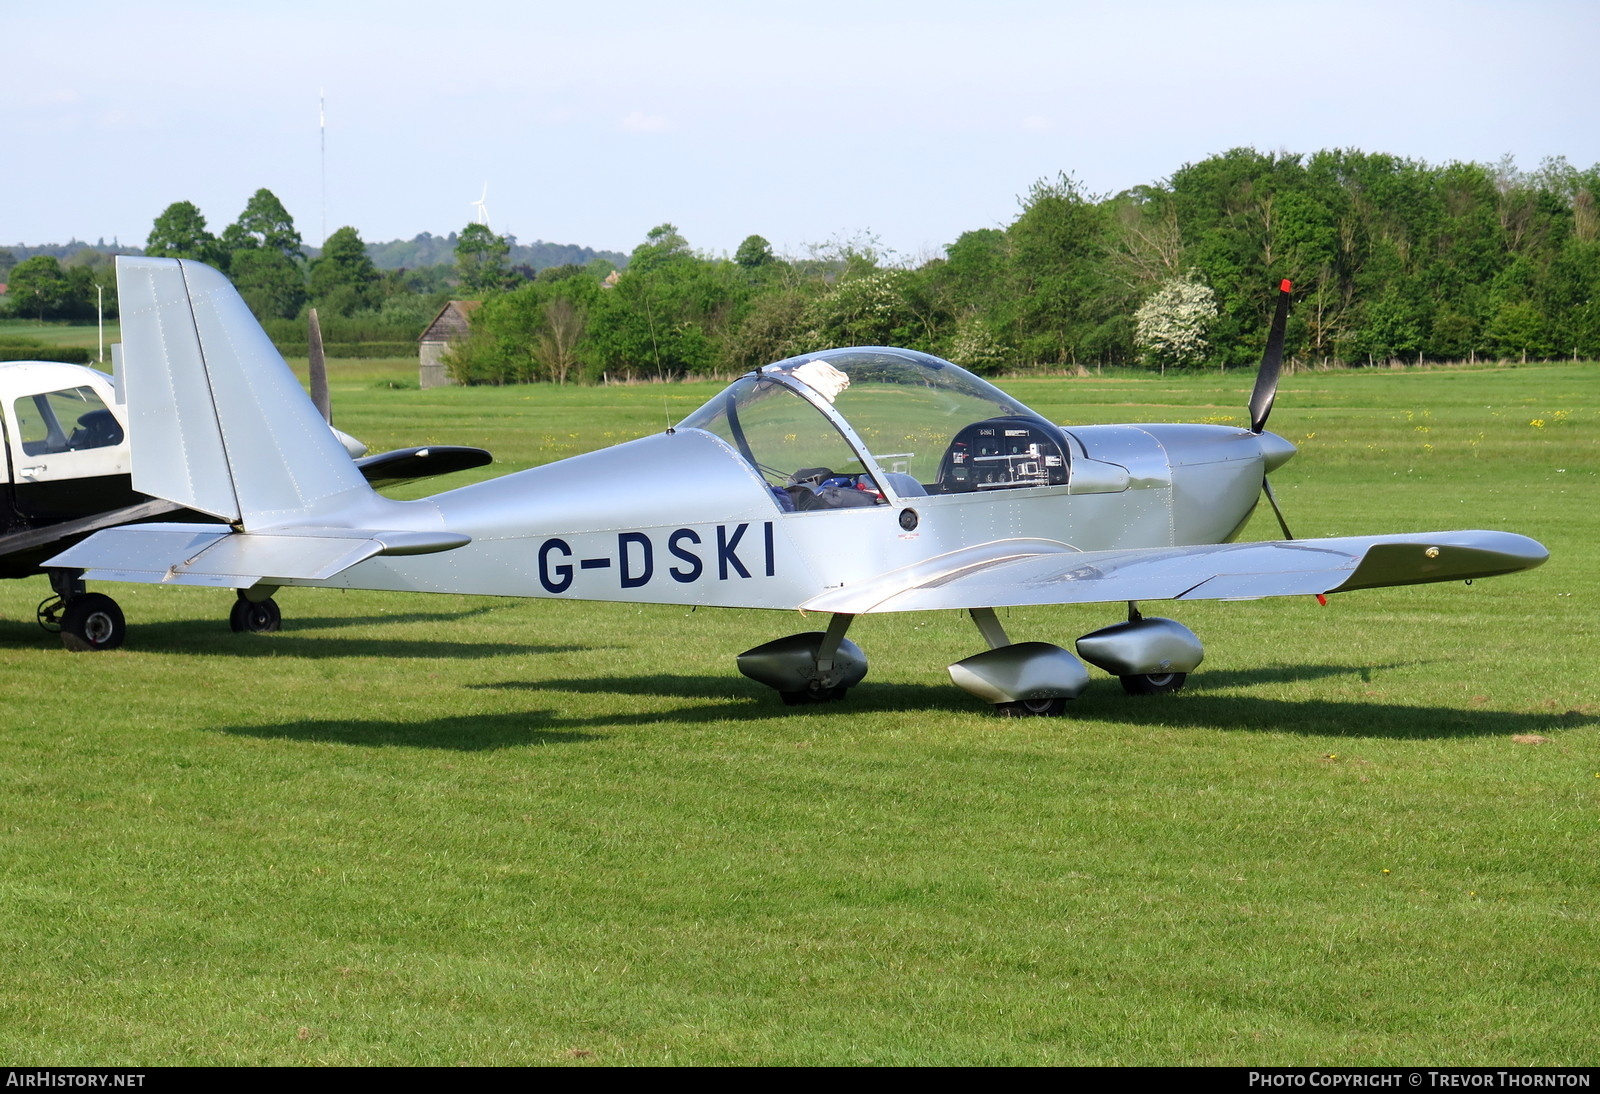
(381, 293)
(1391, 259)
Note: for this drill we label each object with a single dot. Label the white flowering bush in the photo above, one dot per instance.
(1172, 325)
(976, 346)
(863, 310)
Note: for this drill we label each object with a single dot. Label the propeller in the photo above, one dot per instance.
(1271, 363)
(1266, 389)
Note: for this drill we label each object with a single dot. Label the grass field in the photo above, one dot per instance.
(434, 830)
(59, 334)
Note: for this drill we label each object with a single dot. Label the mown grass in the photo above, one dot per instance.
(58, 334)
(450, 829)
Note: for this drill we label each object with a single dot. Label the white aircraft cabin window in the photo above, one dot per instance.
(65, 421)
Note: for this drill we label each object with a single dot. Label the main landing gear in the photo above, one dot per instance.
(1149, 656)
(815, 667)
(1019, 679)
(86, 621)
(255, 616)
(1035, 679)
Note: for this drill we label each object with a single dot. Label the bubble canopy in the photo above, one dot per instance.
(899, 407)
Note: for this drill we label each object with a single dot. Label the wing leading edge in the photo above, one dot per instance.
(1013, 575)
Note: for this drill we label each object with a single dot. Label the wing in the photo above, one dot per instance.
(1008, 575)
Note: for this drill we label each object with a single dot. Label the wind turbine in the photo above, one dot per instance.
(483, 210)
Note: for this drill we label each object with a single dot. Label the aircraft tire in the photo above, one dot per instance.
(1032, 708)
(262, 618)
(805, 698)
(1155, 683)
(92, 622)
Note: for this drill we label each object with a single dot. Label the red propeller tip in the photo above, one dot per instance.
(1286, 285)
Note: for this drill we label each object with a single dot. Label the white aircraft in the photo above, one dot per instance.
(843, 482)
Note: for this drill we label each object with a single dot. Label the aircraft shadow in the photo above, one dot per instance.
(324, 622)
(1206, 679)
(474, 733)
(737, 700)
(187, 636)
(314, 648)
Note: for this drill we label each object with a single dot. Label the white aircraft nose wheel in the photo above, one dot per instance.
(262, 618)
(1153, 683)
(92, 622)
(1032, 708)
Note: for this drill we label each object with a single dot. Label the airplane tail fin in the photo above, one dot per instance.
(218, 424)
(221, 424)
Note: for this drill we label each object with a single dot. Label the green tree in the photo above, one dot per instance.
(343, 278)
(270, 283)
(536, 331)
(754, 253)
(267, 225)
(866, 309)
(1057, 248)
(1390, 328)
(180, 232)
(38, 287)
(265, 259)
(481, 259)
(769, 328)
(662, 246)
(1517, 329)
(670, 314)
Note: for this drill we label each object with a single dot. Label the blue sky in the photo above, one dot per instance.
(910, 122)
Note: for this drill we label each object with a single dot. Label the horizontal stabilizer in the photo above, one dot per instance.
(1013, 576)
(410, 464)
(204, 554)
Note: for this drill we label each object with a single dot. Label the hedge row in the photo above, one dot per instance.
(351, 349)
(79, 355)
(72, 355)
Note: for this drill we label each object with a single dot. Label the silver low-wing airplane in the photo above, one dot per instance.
(844, 482)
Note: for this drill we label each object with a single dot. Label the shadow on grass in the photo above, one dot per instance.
(474, 733)
(314, 648)
(1208, 679)
(215, 636)
(1104, 703)
(322, 622)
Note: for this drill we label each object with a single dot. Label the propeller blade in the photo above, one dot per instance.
(1271, 362)
(1266, 488)
(318, 367)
